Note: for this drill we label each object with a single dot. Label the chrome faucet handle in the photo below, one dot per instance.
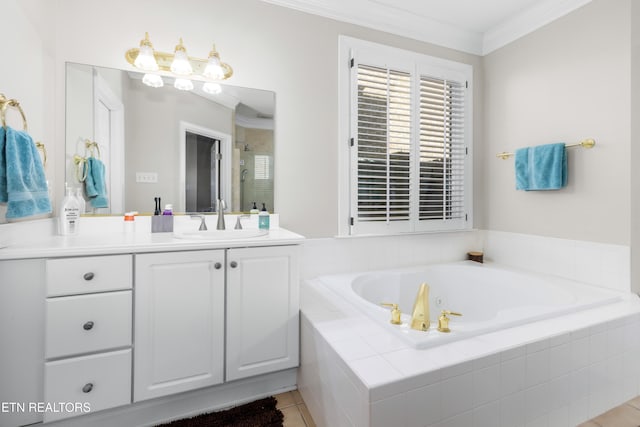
(221, 206)
(203, 224)
(239, 221)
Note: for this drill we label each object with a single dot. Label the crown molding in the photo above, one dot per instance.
(528, 21)
(371, 14)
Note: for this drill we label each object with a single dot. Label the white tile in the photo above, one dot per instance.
(353, 348)
(579, 411)
(424, 405)
(541, 421)
(461, 420)
(389, 412)
(560, 360)
(559, 417)
(598, 346)
(457, 395)
(485, 385)
(512, 410)
(579, 384)
(411, 362)
(615, 341)
(375, 371)
(512, 374)
(487, 415)
(580, 352)
(536, 368)
(384, 342)
(536, 402)
(558, 392)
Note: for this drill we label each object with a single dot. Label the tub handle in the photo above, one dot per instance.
(395, 312)
(443, 320)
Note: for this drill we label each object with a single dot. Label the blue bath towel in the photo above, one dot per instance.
(543, 167)
(95, 185)
(23, 184)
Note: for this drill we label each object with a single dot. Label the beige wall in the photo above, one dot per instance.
(567, 81)
(291, 53)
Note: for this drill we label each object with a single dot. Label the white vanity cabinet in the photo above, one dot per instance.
(262, 310)
(87, 333)
(179, 322)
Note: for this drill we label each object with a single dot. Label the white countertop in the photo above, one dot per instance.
(105, 236)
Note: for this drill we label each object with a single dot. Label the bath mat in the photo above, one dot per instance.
(261, 413)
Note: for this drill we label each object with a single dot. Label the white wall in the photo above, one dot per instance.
(269, 47)
(567, 81)
(25, 74)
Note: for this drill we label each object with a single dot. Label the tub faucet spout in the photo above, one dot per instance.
(420, 313)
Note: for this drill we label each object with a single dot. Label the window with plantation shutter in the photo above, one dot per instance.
(410, 139)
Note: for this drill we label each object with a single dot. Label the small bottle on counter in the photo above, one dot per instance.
(69, 214)
(254, 209)
(168, 210)
(263, 218)
(130, 222)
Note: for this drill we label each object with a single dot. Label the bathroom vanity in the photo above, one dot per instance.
(109, 321)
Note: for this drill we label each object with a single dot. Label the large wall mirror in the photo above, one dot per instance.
(187, 147)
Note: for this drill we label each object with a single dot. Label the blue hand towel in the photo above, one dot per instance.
(95, 185)
(23, 184)
(543, 167)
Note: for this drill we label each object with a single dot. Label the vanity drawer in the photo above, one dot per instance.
(93, 382)
(85, 323)
(82, 275)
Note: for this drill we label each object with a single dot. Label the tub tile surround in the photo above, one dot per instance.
(545, 373)
(555, 372)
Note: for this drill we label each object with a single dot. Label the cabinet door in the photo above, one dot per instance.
(179, 322)
(262, 310)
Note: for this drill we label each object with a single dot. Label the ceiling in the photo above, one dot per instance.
(474, 26)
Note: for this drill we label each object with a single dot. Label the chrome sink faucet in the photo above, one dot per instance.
(420, 313)
(221, 206)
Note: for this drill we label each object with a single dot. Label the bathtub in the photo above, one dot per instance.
(489, 297)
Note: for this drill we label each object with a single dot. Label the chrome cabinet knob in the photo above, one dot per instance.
(88, 326)
(88, 276)
(233, 264)
(217, 266)
(87, 388)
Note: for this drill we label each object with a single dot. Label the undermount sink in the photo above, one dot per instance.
(221, 234)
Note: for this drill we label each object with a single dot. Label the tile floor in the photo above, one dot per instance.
(294, 410)
(296, 413)
(626, 415)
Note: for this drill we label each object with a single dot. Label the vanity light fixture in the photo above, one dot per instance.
(183, 67)
(212, 88)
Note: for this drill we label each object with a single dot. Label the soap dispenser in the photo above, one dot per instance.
(263, 218)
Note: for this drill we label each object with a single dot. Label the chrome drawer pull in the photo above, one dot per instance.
(87, 388)
(88, 276)
(217, 266)
(233, 264)
(88, 326)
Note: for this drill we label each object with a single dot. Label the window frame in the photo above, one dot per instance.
(354, 51)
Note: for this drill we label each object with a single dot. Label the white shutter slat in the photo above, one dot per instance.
(383, 144)
(442, 151)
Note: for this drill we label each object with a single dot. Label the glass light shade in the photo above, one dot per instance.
(181, 64)
(153, 80)
(145, 59)
(183, 84)
(212, 88)
(214, 69)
